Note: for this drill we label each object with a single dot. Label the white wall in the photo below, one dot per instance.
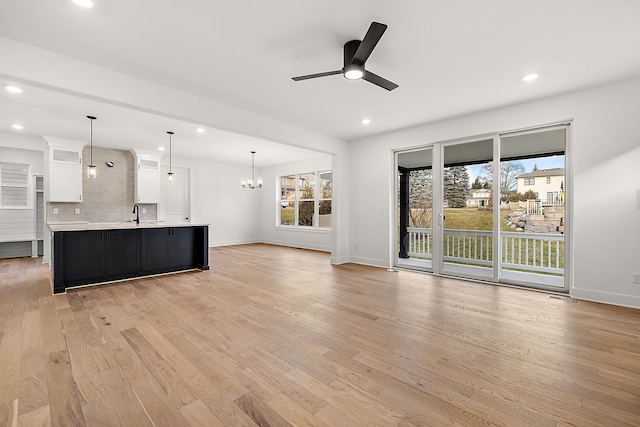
(269, 198)
(23, 149)
(233, 214)
(604, 160)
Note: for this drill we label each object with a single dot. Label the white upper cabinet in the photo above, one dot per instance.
(147, 176)
(65, 170)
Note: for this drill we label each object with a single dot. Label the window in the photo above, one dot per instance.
(14, 185)
(548, 180)
(305, 200)
(529, 181)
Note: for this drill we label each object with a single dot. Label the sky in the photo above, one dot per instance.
(542, 163)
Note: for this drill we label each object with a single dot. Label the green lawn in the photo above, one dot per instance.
(472, 219)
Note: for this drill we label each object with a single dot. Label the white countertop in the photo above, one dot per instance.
(83, 226)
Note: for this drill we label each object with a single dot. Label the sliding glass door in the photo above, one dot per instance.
(491, 209)
(467, 210)
(415, 209)
(533, 182)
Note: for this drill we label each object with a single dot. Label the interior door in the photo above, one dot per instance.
(174, 197)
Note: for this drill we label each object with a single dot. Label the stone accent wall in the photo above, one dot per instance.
(109, 197)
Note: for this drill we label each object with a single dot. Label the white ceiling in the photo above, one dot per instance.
(449, 58)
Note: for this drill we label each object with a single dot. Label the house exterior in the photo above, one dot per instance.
(478, 198)
(548, 184)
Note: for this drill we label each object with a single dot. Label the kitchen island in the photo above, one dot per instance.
(91, 253)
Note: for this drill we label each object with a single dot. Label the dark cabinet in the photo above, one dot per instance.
(83, 256)
(182, 247)
(167, 249)
(95, 256)
(156, 252)
(122, 253)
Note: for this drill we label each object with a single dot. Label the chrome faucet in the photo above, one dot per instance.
(136, 210)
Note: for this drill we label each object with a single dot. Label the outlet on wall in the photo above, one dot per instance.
(636, 278)
(77, 211)
(55, 211)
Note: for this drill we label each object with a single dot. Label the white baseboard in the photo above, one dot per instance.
(297, 245)
(369, 261)
(631, 301)
(232, 243)
(341, 260)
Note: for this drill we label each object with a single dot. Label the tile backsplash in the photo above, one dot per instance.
(107, 198)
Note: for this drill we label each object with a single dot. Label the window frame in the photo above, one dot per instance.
(295, 203)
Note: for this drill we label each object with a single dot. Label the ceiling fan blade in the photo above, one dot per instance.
(370, 40)
(313, 76)
(377, 80)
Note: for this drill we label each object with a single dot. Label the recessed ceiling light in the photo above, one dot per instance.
(84, 3)
(160, 148)
(365, 121)
(530, 77)
(17, 126)
(13, 89)
(200, 130)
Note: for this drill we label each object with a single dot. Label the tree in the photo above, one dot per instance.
(305, 208)
(420, 198)
(456, 186)
(509, 172)
(477, 185)
(515, 197)
(324, 206)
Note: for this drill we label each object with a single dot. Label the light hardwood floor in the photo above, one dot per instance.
(278, 336)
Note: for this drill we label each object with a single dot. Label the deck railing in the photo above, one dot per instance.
(534, 207)
(532, 252)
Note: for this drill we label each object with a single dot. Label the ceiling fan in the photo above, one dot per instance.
(356, 53)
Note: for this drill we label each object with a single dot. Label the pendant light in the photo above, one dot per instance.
(170, 173)
(91, 169)
(250, 182)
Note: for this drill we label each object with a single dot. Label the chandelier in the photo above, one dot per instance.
(250, 181)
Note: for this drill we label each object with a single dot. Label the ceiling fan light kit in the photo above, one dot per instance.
(353, 72)
(356, 53)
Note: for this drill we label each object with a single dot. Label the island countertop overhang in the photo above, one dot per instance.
(84, 226)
